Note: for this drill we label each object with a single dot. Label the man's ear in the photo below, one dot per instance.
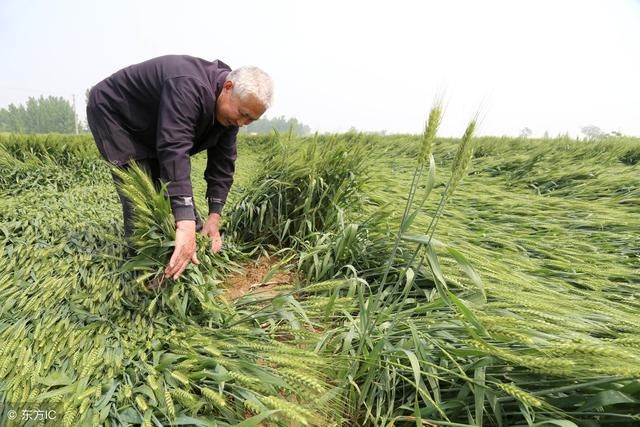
(228, 84)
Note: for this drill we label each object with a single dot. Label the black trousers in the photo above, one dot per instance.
(152, 168)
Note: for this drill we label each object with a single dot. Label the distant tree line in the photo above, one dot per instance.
(590, 132)
(594, 132)
(281, 124)
(39, 115)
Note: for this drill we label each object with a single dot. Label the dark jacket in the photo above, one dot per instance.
(164, 109)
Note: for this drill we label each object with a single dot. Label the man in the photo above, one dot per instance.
(162, 111)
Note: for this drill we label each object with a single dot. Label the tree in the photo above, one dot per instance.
(593, 132)
(13, 119)
(41, 115)
(525, 133)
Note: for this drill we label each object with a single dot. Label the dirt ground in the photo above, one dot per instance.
(251, 279)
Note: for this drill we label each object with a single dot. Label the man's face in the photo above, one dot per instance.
(232, 111)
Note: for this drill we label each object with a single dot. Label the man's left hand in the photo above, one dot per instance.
(211, 229)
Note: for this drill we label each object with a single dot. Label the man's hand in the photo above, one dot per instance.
(211, 229)
(185, 249)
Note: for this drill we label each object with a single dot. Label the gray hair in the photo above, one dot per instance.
(252, 80)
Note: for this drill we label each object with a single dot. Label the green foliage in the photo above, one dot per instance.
(302, 191)
(40, 115)
(512, 301)
(51, 162)
(432, 348)
(87, 335)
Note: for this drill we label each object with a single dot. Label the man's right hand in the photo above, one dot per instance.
(185, 249)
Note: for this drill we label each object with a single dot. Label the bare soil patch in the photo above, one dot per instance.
(251, 279)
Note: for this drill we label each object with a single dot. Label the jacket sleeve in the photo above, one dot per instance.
(178, 112)
(220, 169)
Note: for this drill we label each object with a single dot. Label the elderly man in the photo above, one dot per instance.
(162, 111)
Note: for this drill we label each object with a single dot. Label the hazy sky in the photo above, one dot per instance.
(377, 65)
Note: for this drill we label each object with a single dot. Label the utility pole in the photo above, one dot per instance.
(75, 113)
